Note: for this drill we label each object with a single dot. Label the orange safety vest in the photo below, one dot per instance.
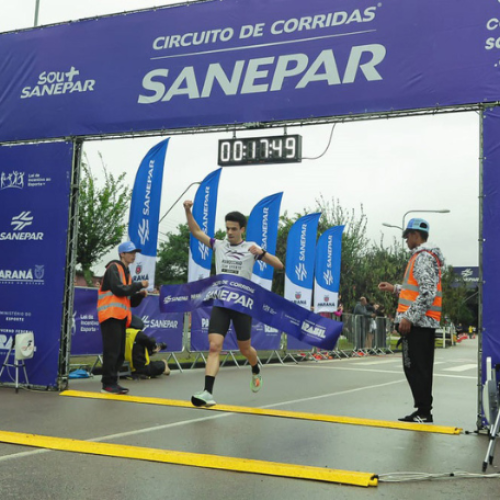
(410, 290)
(111, 306)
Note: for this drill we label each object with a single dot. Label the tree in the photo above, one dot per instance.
(101, 215)
(364, 263)
(173, 256)
(455, 298)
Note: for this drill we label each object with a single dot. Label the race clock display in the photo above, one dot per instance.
(258, 150)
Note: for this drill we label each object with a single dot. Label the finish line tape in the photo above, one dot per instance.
(406, 426)
(244, 465)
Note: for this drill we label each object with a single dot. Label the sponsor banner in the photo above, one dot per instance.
(85, 329)
(86, 332)
(262, 228)
(299, 267)
(264, 337)
(469, 274)
(246, 61)
(490, 333)
(204, 209)
(163, 327)
(327, 270)
(240, 294)
(293, 344)
(200, 319)
(145, 212)
(34, 196)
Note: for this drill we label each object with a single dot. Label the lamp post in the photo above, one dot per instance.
(175, 202)
(442, 211)
(37, 9)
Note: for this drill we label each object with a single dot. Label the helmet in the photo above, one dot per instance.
(416, 225)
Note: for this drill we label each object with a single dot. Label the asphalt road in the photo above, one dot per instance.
(371, 387)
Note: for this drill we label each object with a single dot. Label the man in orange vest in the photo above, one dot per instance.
(418, 315)
(117, 295)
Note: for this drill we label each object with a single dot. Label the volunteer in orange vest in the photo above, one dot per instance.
(418, 315)
(117, 295)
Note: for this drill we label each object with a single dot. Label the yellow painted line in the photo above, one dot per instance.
(193, 459)
(406, 426)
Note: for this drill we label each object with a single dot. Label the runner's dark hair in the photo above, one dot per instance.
(237, 217)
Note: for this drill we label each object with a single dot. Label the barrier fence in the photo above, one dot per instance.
(361, 335)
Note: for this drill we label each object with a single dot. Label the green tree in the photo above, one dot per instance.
(101, 215)
(455, 298)
(173, 256)
(364, 263)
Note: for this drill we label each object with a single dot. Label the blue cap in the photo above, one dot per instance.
(416, 225)
(128, 246)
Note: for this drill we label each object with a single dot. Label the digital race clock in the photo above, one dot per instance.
(255, 150)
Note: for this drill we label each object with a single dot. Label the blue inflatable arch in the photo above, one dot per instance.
(211, 65)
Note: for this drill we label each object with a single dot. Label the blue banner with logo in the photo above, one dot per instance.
(86, 333)
(34, 196)
(469, 274)
(489, 275)
(300, 256)
(204, 209)
(240, 294)
(327, 270)
(243, 61)
(145, 213)
(200, 319)
(262, 228)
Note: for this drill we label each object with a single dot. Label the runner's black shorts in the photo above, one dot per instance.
(221, 317)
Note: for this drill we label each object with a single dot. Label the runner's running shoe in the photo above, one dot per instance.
(256, 382)
(203, 398)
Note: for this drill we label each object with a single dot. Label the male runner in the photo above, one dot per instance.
(233, 256)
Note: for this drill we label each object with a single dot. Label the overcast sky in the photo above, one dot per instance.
(388, 166)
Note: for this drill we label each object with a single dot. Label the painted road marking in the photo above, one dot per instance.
(375, 370)
(244, 465)
(437, 429)
(461, 368)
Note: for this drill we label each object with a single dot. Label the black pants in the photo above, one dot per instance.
(113, 349)
(418, 364)
(154, 369)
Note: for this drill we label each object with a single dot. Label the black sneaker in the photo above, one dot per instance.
(418, 417)
(110, 389)
(114, 389)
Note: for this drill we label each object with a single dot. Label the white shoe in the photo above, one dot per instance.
(203, 398)
(256, 382)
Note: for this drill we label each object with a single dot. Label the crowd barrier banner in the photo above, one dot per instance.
(34, 200)
(86, 332)
(163, 327)
(246, 61)
(240, 294)
(264, 337)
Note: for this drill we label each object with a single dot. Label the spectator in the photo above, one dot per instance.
(138, 350)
